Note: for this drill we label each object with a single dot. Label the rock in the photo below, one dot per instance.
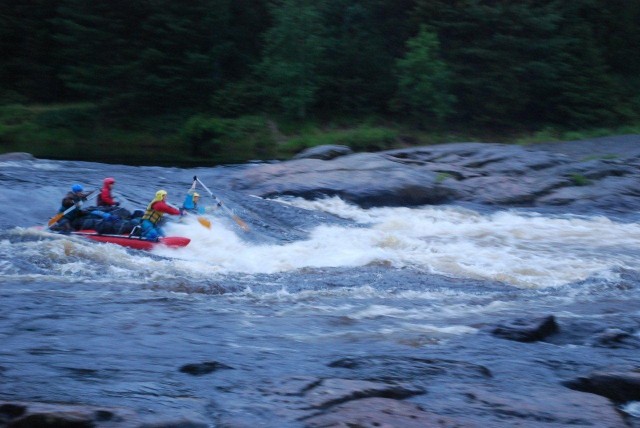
(16, 156)
(411, 368)
(199, 369)
(334, 391)
(544, 407)
(364, 179)
(325, 152)
(616, 338)
(482, 173)
(527, 330)
(381, 412)
(618, 386)
(44, 415)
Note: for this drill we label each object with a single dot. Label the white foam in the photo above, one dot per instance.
(529, 251)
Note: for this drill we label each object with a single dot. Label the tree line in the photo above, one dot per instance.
(508, 63)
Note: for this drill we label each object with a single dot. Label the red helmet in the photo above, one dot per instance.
(109, 180)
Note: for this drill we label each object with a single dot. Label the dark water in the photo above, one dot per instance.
(404, 295)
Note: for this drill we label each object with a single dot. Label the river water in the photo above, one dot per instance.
(311, 283)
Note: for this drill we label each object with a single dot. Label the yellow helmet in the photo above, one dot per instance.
(196, 194)
(159, 195)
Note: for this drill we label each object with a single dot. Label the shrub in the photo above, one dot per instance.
(227, 140)
(359, 139)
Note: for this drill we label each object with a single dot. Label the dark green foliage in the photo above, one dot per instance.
(509, 65)
(361, 41)
(424, 79)
(227, 140)
(292, 55)
(72, 116)
(359, 139)
(527, 62)
(28, 63)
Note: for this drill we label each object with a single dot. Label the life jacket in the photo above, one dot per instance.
(101, 202)
(152, 215)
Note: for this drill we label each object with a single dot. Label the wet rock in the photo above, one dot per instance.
(325, 152)
(618, 386)
(544, 407)
(16, 156)
(482, 173)
(380, 412)
(372, 366)
(9, 411)
(295, 386)
(43, 415)
(199, 369)
(365, 179)
(616, 338)
(527, 330)
(179, 423)
(334, 391)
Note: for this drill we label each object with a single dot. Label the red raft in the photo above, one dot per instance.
(135, 242)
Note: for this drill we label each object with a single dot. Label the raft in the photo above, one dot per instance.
(135, 242)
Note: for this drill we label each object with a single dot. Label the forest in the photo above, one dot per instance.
(219, 81)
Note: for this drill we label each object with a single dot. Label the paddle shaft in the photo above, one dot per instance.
(237, 219)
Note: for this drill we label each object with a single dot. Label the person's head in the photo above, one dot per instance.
(160, 196)
(196, 197)
(109, 181)
(76, 188)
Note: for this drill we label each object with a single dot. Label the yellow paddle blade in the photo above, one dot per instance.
(205, 222)
(241, 223)
(55, 219)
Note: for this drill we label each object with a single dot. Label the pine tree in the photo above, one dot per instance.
(292, 54)
(423, 78)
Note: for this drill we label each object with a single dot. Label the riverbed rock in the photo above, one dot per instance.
(381, 412)
(324, 152)
(199, 369)
(45, 415)
(470, 172)
(16, 156)
(527, 330)
(618, 386)
(616, 338)
(331, 392)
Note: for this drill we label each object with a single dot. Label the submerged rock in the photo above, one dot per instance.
(527, 330)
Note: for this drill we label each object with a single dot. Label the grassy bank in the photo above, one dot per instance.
(81, 132)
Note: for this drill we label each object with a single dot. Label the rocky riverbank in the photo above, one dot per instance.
(599, 174)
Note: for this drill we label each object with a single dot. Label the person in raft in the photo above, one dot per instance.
(105, 199)
(190, 202)
(153, 215)
(74, 197)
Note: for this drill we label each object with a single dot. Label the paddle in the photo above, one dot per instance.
(56, 218)
(202, 220)
(235, 218)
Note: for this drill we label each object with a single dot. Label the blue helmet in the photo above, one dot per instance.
(76, 188)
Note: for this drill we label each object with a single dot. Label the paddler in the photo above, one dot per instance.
(75, 197)
(105, 198)
(190, 202)
(153, 215)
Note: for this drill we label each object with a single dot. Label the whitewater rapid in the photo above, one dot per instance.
(521, 249)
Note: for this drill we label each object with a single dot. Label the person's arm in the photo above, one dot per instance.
(167, 209)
